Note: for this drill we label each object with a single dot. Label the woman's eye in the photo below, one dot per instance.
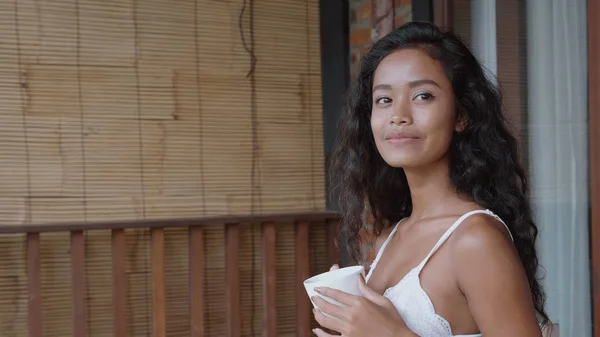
(383, 100)
(424, 97)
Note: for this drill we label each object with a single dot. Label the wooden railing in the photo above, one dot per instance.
(197, 275)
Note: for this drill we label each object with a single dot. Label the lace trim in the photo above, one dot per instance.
(444, 324)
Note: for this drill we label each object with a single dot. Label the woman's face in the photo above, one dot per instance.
(413, 116)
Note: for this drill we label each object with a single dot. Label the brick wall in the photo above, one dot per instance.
(370, 19)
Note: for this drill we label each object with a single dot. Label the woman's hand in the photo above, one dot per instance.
(371, 315)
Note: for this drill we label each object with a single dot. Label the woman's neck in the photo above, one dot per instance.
(430, 189)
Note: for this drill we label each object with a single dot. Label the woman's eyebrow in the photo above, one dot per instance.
(417, 83)
(382, 87)
(412, 84)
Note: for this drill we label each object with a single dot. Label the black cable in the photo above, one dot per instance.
(255, 175)
(200, 130)
(23, 83)
(147, 233)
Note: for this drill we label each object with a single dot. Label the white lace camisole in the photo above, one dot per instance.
(411, 300)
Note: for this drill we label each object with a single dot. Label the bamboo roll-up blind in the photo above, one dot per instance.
(128, 109)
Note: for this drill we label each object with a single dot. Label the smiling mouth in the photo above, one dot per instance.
(401, 140)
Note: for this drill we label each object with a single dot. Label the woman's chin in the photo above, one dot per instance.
(401, 158)
(413, 160)
(402, 163)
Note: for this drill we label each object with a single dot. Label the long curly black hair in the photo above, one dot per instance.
(484, 160)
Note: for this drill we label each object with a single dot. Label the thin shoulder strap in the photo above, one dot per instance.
(454, 226)
(385, 243)
(492, 214)
(380, 253)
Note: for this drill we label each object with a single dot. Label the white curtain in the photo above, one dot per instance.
(558, 156)
(483, 35)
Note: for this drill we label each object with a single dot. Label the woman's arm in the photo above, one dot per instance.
(490, 274)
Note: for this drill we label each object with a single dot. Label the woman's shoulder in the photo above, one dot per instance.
(484, 236)
(481, 228)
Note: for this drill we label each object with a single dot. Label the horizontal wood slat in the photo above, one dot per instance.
(277, 218)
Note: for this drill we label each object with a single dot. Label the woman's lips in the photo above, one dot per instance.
(401, 137)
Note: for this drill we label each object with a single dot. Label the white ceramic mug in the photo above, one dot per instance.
(343, 279)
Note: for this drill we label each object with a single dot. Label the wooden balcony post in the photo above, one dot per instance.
(269, 281)
(158, 283)
(302, 273)
(119, 283)
(34, 285)
(232, 245)
(196, 260)
(78, 282)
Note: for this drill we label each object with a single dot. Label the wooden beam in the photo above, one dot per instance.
(280, 218)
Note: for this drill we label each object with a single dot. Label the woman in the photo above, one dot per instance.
(423, 138)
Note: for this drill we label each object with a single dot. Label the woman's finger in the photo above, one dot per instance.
(371, 294)
(322, 333)
(329, 308)
(328, 322)
(334, 267)
(340, 296)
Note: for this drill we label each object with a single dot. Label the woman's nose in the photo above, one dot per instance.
(401, 113)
